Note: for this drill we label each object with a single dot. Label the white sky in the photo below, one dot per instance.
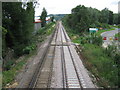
(65, 6)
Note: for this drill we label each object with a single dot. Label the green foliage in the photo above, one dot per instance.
(83, 18)
(115, 18)
(86, 38)
(105, 26)
(29, 48)
(9, 64)
(9, 75)
(96, 39)
(111, 16)
(18, 20)
(4, 31)
(102, 64)
(112, 51)
(43, 17)
(52, 18)
(118, 18)
(117, 35)
(47, 29)
(104, 17)
(41, 31)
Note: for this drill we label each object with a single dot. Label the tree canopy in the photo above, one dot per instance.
(82, 18)
(17, 19)
(43, 17)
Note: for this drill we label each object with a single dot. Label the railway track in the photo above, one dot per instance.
(71, 76)
(43, 73)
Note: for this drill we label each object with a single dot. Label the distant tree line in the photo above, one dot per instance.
(82, 18)
(17, 26)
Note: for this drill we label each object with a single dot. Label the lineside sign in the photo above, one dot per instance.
(93, 30)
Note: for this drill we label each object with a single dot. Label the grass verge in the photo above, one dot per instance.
(8, 76)
(117, 35)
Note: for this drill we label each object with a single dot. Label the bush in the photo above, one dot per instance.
(8, 64)
(41, 31)
(92, 38)
(4, 32)
(97, 40)
(101, 64)
(100, 25)
(8, 76)
(18, 49)
(113, 52)
(104, 25)
(28, 49)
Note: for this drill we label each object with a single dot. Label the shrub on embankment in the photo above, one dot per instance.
(102, 64)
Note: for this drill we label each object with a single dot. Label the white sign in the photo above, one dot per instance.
(93, 29)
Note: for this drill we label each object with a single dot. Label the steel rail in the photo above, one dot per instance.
(50, 76)
(33, 81)
(72, 60)
(63, 64)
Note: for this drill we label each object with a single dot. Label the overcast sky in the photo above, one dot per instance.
(65, 6)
